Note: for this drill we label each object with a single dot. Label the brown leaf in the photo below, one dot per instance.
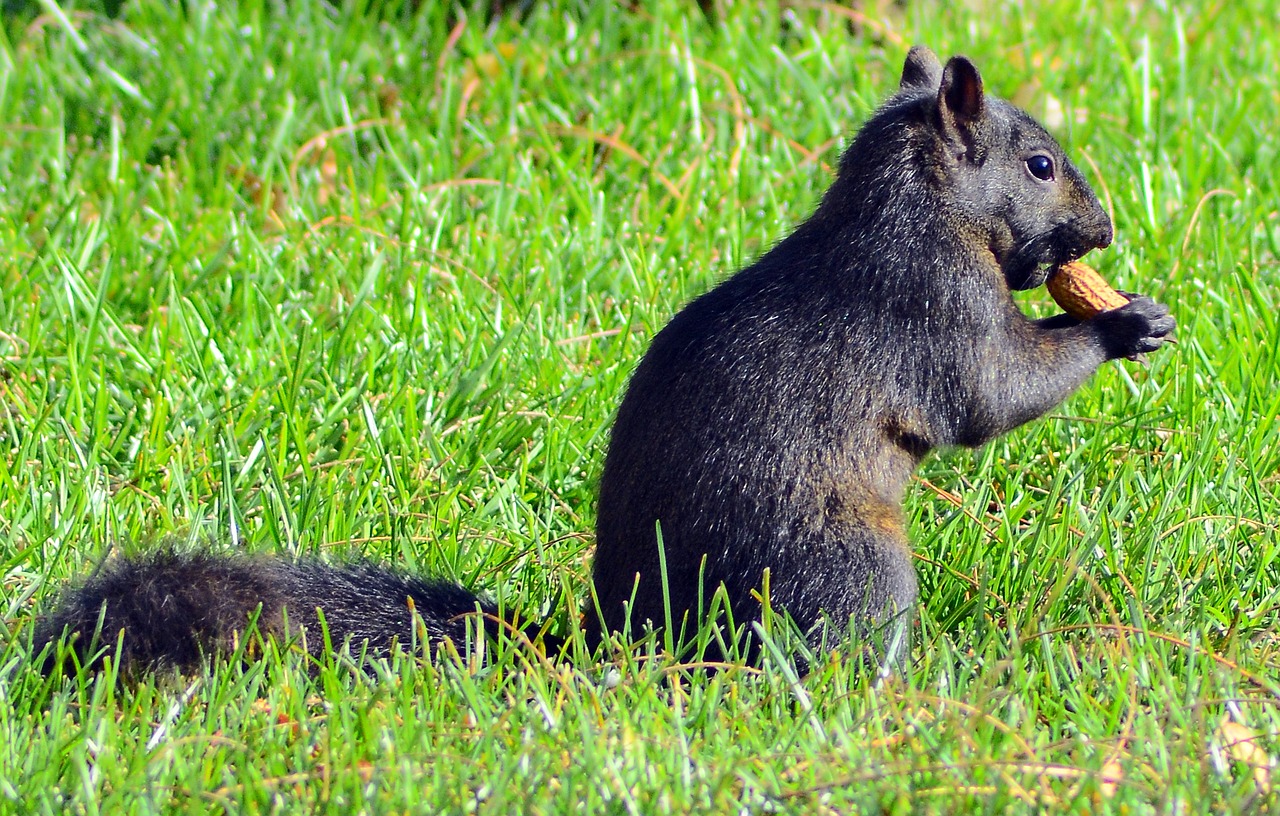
(1111, 777)
(1242, 744)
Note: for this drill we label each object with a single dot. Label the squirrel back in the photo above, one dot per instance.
(772, 427)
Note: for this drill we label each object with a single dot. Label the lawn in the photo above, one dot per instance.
(369, 281)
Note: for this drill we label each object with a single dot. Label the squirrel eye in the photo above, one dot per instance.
(1040, 167)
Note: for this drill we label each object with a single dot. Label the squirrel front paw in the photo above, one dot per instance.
(1139, 326)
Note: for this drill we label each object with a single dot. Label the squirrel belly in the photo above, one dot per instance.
(772, 428)
(176, 609)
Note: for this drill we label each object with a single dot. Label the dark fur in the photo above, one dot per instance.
(175, 609)
(774, 423)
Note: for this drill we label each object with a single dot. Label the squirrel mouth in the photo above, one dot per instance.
(1023, 270)
(1031, 263)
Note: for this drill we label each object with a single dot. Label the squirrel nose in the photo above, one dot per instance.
(1106, 233)
(1102, 231)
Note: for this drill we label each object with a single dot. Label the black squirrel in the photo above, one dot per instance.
(772, 427)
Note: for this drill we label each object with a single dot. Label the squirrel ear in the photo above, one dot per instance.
(960, 94)
(921, 70)
(960, 101)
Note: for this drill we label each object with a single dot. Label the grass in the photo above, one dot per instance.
(370, 280)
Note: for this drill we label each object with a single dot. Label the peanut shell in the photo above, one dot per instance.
(1082, 292)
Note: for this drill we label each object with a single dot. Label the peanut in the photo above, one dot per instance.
(1082, 292)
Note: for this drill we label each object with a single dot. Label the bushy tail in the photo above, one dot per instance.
(175, 609)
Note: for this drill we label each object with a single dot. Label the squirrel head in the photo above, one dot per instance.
(1006, 180)
(995, 175)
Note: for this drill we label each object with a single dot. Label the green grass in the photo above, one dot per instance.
(370, 282)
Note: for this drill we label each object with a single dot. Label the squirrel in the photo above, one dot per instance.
(768, 435)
